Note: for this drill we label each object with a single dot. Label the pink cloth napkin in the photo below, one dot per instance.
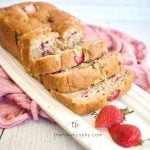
(16, 106)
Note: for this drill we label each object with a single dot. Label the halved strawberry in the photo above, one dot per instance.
(80, 59)
(114, 95)
(126, 135)
(110, 115)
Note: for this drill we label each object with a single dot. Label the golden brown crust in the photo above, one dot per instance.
(8, 34)
(97, 103)
(68, 59)
(83, 77)
(43, 10)
(19, 21)
(50, 63)
(54, 63)
(60, 21)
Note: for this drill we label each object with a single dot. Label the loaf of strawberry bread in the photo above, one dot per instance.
(49, 43)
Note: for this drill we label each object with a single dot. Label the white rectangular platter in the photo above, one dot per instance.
(81, 128)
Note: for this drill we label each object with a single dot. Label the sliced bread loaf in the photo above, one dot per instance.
(84, 75)
(90, 99)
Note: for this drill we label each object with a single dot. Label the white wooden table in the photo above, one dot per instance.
(130, 16)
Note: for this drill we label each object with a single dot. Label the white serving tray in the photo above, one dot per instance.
(81, 128)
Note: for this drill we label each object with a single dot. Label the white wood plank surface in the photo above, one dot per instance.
(130, 16)
(40, 135)
(1, 132)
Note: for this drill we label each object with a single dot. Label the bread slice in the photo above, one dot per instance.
(34, 45)
(41, 53)
(90, 99)
(70, 57)
(84, 75)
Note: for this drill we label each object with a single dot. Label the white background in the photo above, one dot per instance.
(129, 16)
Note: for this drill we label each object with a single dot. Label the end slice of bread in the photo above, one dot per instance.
(97, 96)
(84, 75)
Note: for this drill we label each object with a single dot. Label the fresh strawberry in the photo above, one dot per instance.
(126, 135)
(114, 95)
(79, 59)
(110, 115)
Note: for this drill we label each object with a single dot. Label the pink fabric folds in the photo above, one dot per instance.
(15, 105)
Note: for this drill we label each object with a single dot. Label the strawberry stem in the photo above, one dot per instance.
(142, 141)
(126, 111)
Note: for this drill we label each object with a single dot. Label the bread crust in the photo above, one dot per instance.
(97, 103)
(83, 77)
(61, 21)
(8, 34)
